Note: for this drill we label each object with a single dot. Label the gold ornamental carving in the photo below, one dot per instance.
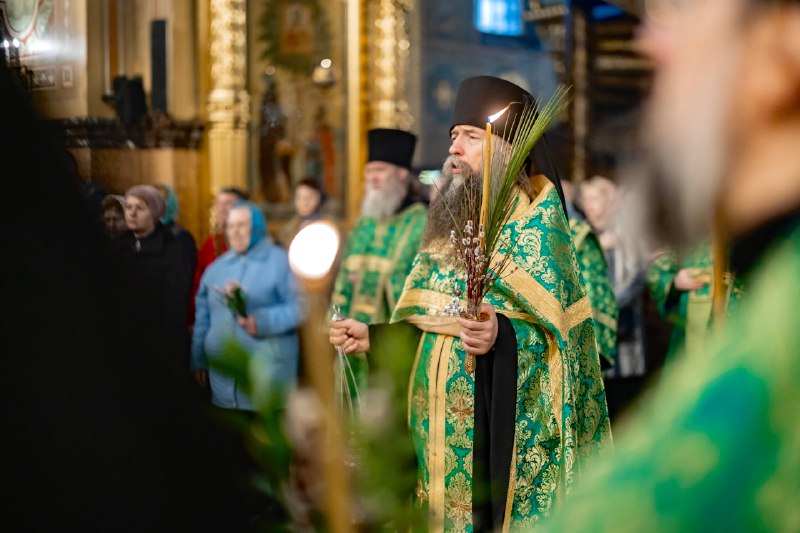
(388, 69)
(228, 110)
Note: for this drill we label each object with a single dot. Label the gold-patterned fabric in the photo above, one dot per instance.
(716, 446)
(597, 283)
(376, 262)
(374, 267)
(561, 413)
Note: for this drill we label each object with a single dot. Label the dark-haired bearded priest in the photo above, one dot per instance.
(497, 447)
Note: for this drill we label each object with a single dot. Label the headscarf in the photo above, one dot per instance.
(149, 195)
(170, 207)
(258, 228)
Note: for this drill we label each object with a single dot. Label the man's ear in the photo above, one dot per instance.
(402, 174)
(790, 53)
(770, 88)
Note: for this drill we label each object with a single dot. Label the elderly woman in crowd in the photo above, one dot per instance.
(114, 215)
(154, 276)
(266, 321)
(308, 201)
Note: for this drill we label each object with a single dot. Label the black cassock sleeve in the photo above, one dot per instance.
(495, 417)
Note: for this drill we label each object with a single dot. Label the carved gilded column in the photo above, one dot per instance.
(580, 82)
(227, 110)
(389, 47)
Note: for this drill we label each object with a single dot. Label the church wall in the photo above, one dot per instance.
(450, 50)
(75, 50)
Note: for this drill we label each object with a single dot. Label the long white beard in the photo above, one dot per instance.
(382, 204)
(674, 187)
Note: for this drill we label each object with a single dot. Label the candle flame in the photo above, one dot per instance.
(498, 114)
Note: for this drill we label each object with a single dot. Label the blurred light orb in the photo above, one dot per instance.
(326, 63)
(314, 249)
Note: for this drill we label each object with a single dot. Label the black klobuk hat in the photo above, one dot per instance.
(391, 146)
(480, 97)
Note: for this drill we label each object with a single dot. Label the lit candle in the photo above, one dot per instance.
(487, 169)
(487, 164)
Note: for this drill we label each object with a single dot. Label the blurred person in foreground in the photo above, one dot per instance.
(266, 323)
(97, 434)
(155, 278)
(496, 445)
(113, 208)
(716, 447)
(681, 286)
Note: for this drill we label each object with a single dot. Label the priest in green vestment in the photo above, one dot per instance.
(682, 291)
(385, 239)
(498, 447)
(594, 273)
(716, 447)
(596, 281)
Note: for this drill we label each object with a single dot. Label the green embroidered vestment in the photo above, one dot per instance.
(376, 262)
(689, 312)
(561, 413)
(594, 272)
(716, 447)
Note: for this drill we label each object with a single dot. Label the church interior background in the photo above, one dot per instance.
(262, 93)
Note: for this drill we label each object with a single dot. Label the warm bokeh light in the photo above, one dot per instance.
(314, 249)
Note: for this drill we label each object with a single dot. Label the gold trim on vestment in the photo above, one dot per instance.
(362, 307)
(437, 409)
(443, 325)
(581, 236)
(363, 262)
(555, 370)
(607, 320)
(512, 488)
(545, 303)
(413, 374)
(424, 299)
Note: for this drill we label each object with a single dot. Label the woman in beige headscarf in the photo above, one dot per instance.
(600, 199)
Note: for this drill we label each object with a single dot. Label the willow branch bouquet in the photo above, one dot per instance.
(487, 204)
(233, 297)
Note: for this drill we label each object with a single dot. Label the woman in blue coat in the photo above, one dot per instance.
(275, 308)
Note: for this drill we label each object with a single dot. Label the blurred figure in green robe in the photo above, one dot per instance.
(384, 241)
(682, 290)
(716, 447)
(596, 281)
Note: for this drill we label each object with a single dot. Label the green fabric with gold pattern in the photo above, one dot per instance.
(689, 312)
(374, 267)
(561, 413)
(717, 446)
(594, 271)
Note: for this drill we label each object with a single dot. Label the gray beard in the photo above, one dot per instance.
(676, 183)
(448, 203)
(383, 204)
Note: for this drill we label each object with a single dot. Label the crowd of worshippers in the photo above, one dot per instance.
(576, 294)
(185, 300)
(182, 294)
